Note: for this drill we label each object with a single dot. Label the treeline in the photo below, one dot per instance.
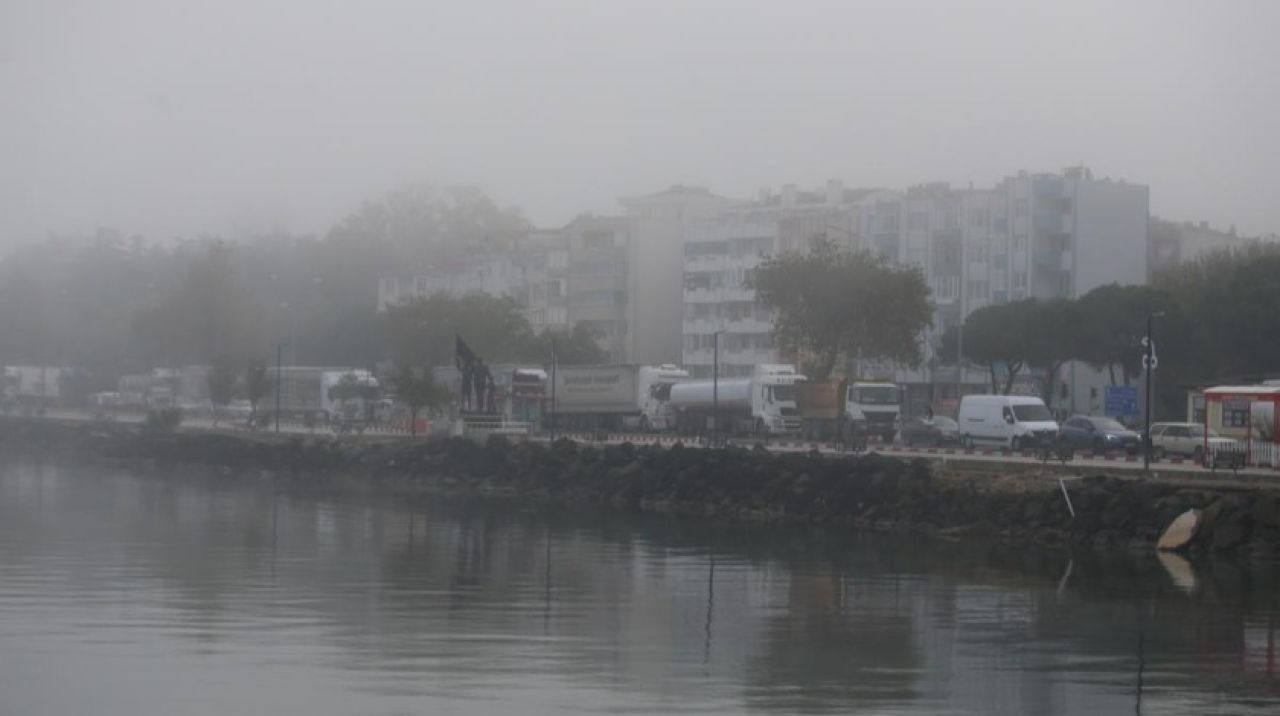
(1215, 321)
(112, 304)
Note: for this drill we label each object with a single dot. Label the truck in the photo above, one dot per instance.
(839, 409)
(521, 390)
(615, 397)
(875, 406)
(30, 388)
(308, 393)
(761, 404)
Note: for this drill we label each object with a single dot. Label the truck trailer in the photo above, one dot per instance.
(614, 397)
(762, 404)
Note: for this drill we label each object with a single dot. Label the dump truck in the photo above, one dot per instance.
(839, 409)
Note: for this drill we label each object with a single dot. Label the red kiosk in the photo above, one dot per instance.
(1237, 399)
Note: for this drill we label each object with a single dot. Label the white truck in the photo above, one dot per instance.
(614, 397)
(876, 406)
(30, 387)
(763, 404)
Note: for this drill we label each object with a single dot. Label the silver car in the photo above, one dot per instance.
(1186, 440)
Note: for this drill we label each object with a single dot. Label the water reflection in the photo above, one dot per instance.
(130, 593)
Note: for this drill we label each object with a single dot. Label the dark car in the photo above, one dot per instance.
(937, 430)
(1099, 434)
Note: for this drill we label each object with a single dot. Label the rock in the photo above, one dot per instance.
(1266, 510)
(1180, 532)
(1230, 535)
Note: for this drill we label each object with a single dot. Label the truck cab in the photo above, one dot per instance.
(875, 405)
(654, 391)
(773, 397)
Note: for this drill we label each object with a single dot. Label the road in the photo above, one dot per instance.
(957, 457)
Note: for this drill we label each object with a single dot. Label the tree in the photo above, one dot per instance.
(257, 383)
(996, 336)
(833, 303)
(579, 347)
(417, 390)
(422, 332)
(1109, 324)
(352, 394)
(1050, 339)
(206, 315)
(222, 384)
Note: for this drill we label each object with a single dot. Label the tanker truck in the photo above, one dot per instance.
(762, 404)
(614, 397)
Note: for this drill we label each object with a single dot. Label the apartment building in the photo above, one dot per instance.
(721, 252)
(599, 261)
(560, 278)
(1030, 236)
(499, 275)
(659, 224)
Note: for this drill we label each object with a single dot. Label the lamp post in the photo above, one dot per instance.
(715, 386)
(279, 380)
(553, 390)
(1149, 363)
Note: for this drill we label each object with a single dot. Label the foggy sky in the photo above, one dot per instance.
(165, 118)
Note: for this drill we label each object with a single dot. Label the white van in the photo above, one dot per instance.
(1012, 421)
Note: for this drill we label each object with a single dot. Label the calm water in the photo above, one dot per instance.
(163, 593)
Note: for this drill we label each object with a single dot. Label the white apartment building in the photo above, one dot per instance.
(1032, 235)
(721, 252)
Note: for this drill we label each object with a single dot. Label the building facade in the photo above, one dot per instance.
(1031, 236)
(659, 225)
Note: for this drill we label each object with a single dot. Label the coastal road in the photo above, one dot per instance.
(957, 457)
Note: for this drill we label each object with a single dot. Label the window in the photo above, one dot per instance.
(1031, 413)
(917, 221)
(1020, 207)
(1235, 414)
(782, 394)
(597, 240)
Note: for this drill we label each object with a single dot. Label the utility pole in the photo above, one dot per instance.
(279, 380)
(1149, 363)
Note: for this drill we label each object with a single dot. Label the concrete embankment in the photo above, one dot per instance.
(865, 492)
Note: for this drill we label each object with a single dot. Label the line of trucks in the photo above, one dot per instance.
(774, 400)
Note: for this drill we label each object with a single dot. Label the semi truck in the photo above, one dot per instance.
(762, 404)
(839, 409)
(614, 397)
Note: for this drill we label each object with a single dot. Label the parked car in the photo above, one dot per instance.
(1186, 440)
(935, 430)
(1100, 434)
(1012, 421)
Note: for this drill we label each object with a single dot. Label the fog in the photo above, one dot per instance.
(235, 117)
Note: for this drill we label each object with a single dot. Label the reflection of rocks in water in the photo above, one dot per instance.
(821, 654)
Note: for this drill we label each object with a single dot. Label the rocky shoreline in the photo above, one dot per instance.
(870, 492)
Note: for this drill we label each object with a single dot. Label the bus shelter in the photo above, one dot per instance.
(1235, 406)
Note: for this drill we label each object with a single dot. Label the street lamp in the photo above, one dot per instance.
(715, 386)
(1149, 363)
(279, 379)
